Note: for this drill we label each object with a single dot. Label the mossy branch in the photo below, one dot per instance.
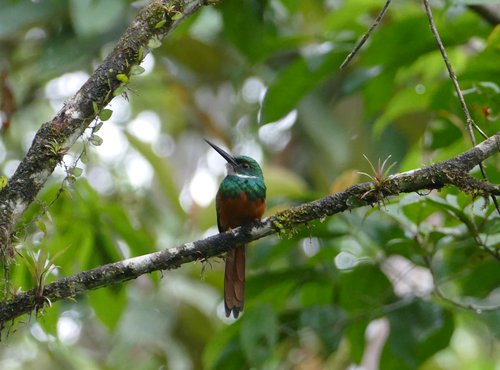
(147, 30)
(454, 171)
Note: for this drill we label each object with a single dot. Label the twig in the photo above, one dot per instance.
(463, 305)
(366, 35)
(468, 118)
(466, 306)
(54, 138)
(435, 176)
(438, 292)
(469, 121)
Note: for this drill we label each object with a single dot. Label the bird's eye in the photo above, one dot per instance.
(246, 166)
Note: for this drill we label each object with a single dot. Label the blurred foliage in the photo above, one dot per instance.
(405, 285)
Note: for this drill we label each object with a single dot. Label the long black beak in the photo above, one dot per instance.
(228, 157)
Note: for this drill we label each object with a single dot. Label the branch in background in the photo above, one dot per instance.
(490, 13)
(453, 77)
(486, 13)
(451, 172)
(470, 124)
(55, 138)
(366, 35)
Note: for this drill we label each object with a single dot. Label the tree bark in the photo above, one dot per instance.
(54, 138)
(454, 171)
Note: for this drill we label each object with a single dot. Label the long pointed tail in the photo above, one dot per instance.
(234, 281)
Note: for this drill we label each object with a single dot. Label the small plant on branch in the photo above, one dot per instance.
(378, 177)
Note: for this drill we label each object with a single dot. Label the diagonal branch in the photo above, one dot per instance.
(489, 12)
(453, 77)
(451, 172)
(365, 37)
(470, 124)
(54, 138)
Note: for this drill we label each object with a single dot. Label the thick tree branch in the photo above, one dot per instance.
(451, 172)
(54, 138)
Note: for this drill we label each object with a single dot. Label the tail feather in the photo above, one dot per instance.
(234, 281)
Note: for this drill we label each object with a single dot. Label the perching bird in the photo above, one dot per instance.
(240, 200)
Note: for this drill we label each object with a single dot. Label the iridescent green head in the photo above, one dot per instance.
(243, 175)
(240, 166)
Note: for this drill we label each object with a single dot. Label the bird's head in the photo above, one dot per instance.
(241, 166)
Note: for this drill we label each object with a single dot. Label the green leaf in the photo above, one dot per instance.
(355, 333)
(154, 43)
(84, 158)
(122, 78)
(104, 115)
(364, 288)
(95, 107)
(444, 133)
(140, 54)
(76, 171)
(97, 127)
(417, 331)
(246, 27)
(136, 70)
(324, 320)
(223, 351)
(120, 90)
(41, 225)
(491, 320)
(49, 317)
(316, 293)
(390, 39)
(416, 209)
(259, 333)
(96, 140)
(481, 280)
(86, 247)
(3, 181)
(32, 13)
(88, 15)
(177, 16)
(109, 304)
(454, 209)
(294, 82)
(160, 24)
(402, 103)
(138, 239)
(276, 284)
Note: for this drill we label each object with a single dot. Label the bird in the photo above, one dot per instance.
(241, 199)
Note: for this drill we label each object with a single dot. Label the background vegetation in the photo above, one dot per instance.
(413, 283)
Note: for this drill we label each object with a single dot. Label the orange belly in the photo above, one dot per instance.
(238, 211)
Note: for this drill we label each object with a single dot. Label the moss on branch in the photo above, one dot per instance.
(152, 23)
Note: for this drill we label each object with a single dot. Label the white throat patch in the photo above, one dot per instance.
(242, 176)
